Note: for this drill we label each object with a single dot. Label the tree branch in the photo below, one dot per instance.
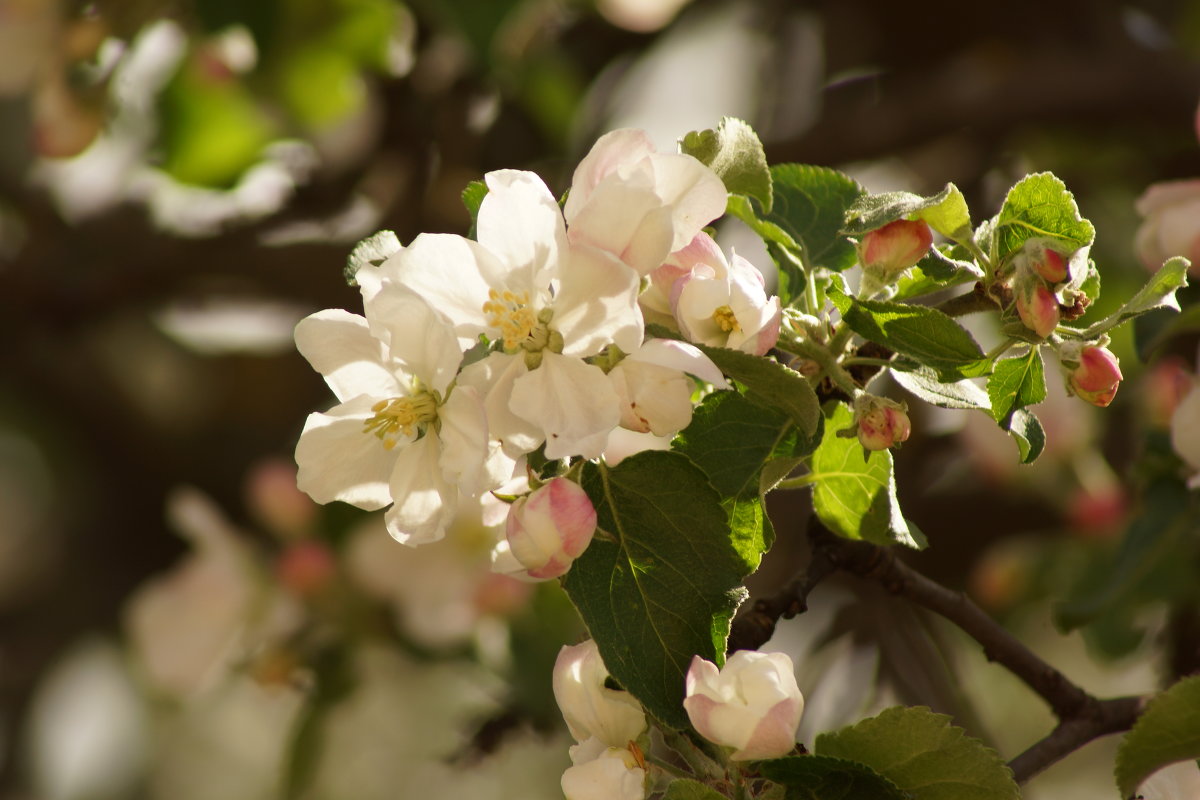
(1102, 717)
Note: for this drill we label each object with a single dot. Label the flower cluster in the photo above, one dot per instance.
(472, 354)
(1039, 271)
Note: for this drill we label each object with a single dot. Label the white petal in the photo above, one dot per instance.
(338, 461)
(681, 356)
(597, 304)
(468, 459)
(694, 302)
(623, 443)
(339, 345)
(493, 377)
(613, 151)
(519, 221)
(572, 402)
(453, 275)
(626, 218)
(693, 191)
(425, 503)
(419, 338)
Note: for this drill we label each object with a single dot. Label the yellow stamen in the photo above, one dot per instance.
(399, 416)
(509, 313)
(725, 319)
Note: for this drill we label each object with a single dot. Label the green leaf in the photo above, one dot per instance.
(772, 384)
(915, 282)
(1039, 206)
(1159, 292)
(810, 205)
(1027, 431)
(853, 496)
(925, 334)
(812, 777)
(661, 580)
(924, 755)
(946, 212)
(472, 198)
(1016, 383)
(688, 789)
(373, 251)
(732, 439)
(741, 207)
(1154, 539)
(1166, 732)
(734, 152)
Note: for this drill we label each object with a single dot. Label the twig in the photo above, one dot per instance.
(751, 630)
(1103, 717)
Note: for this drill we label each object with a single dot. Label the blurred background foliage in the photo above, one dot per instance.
(180, 182)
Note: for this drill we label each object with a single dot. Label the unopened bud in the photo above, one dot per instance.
(896, 246)
(590, 707)
(881, 423)
(306, 567)
(550, 528)
(1049, 265)
(1037, 307)
(1096, 376)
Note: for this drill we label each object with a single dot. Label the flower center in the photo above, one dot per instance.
(399, 416)
(725, 319)
(510, 314)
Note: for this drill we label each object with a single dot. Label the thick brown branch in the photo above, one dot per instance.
(1102, 717)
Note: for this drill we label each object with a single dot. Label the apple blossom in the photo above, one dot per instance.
(1185, 432)
(548, 529)
(723, 303)
(590, 708)
(655, 392)
(1094, 373)
(895, 247)
(752, 704)
(638, 204)
(1178, 781)
(399, 434)
(603, 773)
(880, 423)
(1036, 305)
(544, 304)
(1172, 223)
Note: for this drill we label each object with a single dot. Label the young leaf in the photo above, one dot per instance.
(734, 152)
(771, 383)
(1039, 205)
(373, 250)
(1016, 383)
(1159, 292)
(856, 498)
(919, 332)
(812, 777)
(472, 198)
(810, 204)
(946, 212)
(924, 755)
(1027, 431)
(1166, 732)
(661, 580)
(688, 789)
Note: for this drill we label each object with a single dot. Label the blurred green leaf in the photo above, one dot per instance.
(1166, 732)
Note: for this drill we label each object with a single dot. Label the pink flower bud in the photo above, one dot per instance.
(752, 704)
(1097, 376)
(1049, 265)
(881, 423)
(1037, 307)
(896, 246)
(550, 528)
(306, 567)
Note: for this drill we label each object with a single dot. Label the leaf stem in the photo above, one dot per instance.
(1000, 349)
(799, 482)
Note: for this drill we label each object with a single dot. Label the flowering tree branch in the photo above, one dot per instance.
(1082, 717)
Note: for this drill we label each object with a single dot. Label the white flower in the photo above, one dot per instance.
(1172, 223)
(1179, 781)
(398, 434)
(603, 773)
(721, 303)
(1185, 432)
(638, 204)
(752, 704)
(545, 304)
(589, 707)
(655, 392)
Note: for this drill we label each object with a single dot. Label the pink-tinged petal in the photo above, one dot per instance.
(548, 529)
(418, 337)
(621, 214)
(453, 275)
(612, 152)
(520, 222)
(494, 377)
(339, 345)
(338, 461)
(702, 253)
(775, 734)
(1168, 193)
(694, 193)
(596, 304)
(425, 503)
(680, 356)
(571, 401)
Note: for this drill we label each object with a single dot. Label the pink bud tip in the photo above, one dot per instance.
(1038, 310)
(1050, 267)
(881, 425)
(1097, 377)
(897, 245)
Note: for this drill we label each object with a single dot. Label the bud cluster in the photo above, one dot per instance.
(1039, 271)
